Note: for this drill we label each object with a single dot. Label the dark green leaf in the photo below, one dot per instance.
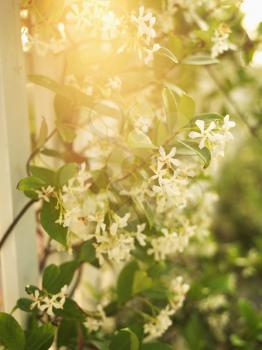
(48, 217)
(67, 333)
(56, 277)
(40, 338)
(125, 282)
(156, 346)
(24, 304)
(87, 253)
(125, 339)
(11, 334)
(71, 311)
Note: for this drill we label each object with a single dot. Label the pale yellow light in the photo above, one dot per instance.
(252, 10)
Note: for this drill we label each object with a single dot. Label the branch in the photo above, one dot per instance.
(15, 222)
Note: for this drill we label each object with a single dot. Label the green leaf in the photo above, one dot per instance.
(87, 253)
(204, 153)
(11, 334)
(56, 277)
(156, 346)
(249, 314)
(24, 304)
(163, 51)
(71, 311)
(141, 282)
(170, 105)
(43, 133)
(66, 172)
(125, 281)
(186, 107)
(194, 333)
(48, 217)
(30, 185)
(67, 333)
(125, 339)
(138, 140)
(40, 338)
(46, 175)
(200, 60)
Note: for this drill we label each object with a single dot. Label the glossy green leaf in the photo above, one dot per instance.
(55, 277)
(125, 282)
(71, 311)
(11, 334)
(48, 217)
(204, 153)
(30, 185)
(40, 338)
(125, 339)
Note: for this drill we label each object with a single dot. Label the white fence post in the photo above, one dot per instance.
(18, 256)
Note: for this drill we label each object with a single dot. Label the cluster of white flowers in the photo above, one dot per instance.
(159, 324)
(113, 241)
(213, 136)
(146, 33)
(47, 303)
(221, 41)
(168, 244)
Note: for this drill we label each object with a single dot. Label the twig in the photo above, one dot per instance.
(15, 222)
(77, 281)
(34, 153)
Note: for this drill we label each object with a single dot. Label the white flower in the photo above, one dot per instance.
(45, 193)
(228, 124)
(157, 326)
(149, 53)
(221, 42)
(167, 245)
(79, 16)
(141, 238)
(114, 83)
(94, 323)
(168, 159)
(145, 24)
(111, 24)
(205, 134)
(179, 290)
(48, 303)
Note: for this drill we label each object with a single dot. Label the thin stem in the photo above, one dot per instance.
(34, 153)
(15, 222)
(77, 282)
